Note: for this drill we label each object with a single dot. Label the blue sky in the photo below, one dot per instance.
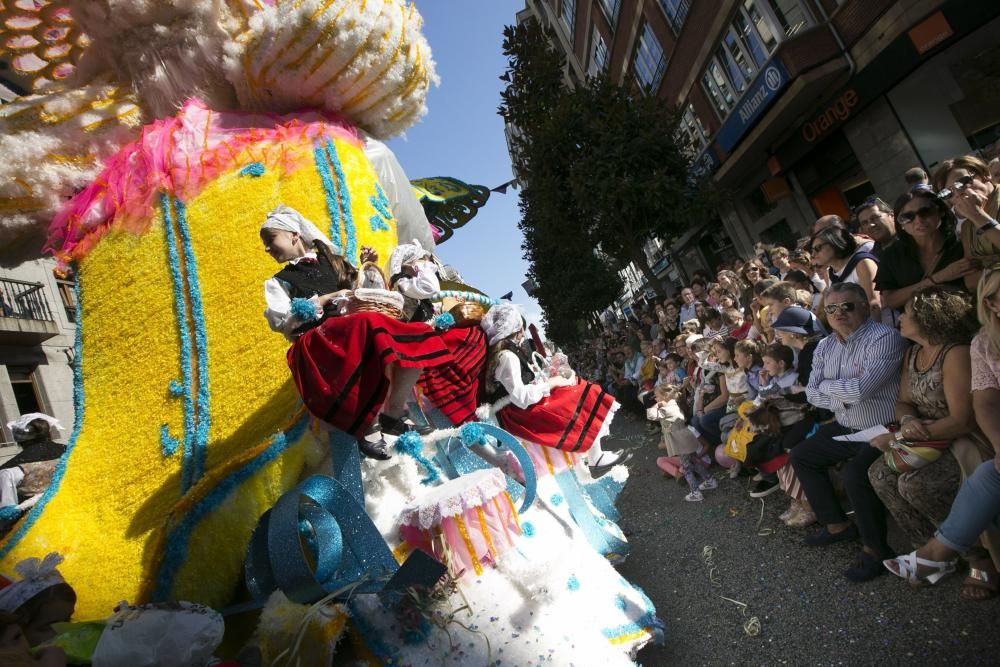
(462, 136)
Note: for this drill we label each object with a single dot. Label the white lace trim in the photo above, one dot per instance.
(453, 498)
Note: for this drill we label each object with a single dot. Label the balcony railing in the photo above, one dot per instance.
(24, 300)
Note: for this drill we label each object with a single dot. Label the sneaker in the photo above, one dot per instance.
(865, 568)
(759, 477)
(694, 497)
(792, 510)
(708, 485)
(765, 487)
(734, 472)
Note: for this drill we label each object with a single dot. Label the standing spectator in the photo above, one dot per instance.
(699, 287)
(802, 261)
(927, 252)
(975, 198)
(915, 177)
(779, 259)
(876, 219)
(688, 309)
(855, 374)
(835, 248)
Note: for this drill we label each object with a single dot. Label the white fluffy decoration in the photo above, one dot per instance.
(367, 60)
(51, 146)
(166, 52)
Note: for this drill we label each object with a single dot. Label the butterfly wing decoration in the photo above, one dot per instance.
(449, 203)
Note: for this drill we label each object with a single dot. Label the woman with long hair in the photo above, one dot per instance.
(975, 198)
(927, 253)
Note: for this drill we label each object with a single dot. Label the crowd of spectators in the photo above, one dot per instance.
(839, 373)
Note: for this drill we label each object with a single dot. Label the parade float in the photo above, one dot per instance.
(157, 138)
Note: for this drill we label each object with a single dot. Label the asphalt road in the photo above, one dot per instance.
(808, 613)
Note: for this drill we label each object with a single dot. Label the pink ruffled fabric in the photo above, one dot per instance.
(440, 513)
(180, 156)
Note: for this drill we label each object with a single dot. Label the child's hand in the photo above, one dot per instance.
(764, 377)
(368, 254)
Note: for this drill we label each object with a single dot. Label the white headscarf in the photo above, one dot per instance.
(288, 219)
(20, 426)
(36, 576)
(405, 253)
(501, 321)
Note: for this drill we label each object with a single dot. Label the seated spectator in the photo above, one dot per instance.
(671, 371)
(976, 508)
(927, 252)
(737, 325)
(711, 394)
(855, 374)
(915, 177)
(933, 405)
(714, 328)
(779, 259)
(802, 283)
(701, 312)
(802, 261)
(699, 287)
(835, 248)
(670, 323)
(975, 198)
(876, 219)
(753, 272)
(731, 285)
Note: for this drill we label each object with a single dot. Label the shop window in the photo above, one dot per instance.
(22, 382)
(649, 63)
(567, 16)
(676, 11)
(598, 54)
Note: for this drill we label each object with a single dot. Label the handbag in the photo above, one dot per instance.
(909, 455)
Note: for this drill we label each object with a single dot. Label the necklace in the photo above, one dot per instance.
(925, 352)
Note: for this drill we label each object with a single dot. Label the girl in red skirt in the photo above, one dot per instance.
(560, 412)
(347, 367)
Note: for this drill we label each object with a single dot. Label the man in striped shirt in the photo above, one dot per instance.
(855, 374)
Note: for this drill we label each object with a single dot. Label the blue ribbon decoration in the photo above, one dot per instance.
(346, 459)
(464, 461)
(603, 542)
(348, 548)
(603, 494)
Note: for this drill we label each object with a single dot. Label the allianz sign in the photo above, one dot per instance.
(762, 93)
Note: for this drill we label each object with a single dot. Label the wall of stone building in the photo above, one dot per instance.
(52, 358)
(882, 148)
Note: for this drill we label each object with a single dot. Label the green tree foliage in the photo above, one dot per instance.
(601, 173)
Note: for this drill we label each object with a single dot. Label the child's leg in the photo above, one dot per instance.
(688, 462)
(699, 467)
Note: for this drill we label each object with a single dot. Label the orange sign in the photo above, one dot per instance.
(930, 32)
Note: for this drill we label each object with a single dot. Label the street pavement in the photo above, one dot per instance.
(808, 613)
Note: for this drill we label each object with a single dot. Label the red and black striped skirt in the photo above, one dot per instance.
(454, 388)
(340, 366)
(570, 418)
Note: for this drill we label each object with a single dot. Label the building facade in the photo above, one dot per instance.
(795, 108)
(37, 337)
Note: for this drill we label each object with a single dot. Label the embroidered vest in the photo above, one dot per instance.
(306, 279)
(527, 377)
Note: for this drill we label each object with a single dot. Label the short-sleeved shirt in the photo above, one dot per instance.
(900, 266)
(985, 364)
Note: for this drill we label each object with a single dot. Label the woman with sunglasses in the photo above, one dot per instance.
(836, 248)
(975, 199)
(927, 252)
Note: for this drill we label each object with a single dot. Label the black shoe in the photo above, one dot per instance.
(824, 537)
(374, 446)
(394, 426)
(764, 487)
(609, 460)
(865, 568)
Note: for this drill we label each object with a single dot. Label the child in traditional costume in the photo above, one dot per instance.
(39, 598)
(560, 412)
(345, 365)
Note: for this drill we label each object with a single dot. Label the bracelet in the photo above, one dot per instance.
(990, 224)
(905, 418)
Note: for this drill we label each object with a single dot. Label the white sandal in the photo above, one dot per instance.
(906, 567)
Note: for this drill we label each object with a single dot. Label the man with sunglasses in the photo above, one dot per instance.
(855, 374)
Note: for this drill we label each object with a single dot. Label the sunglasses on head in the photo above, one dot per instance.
(924, 212)
(846, 307)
